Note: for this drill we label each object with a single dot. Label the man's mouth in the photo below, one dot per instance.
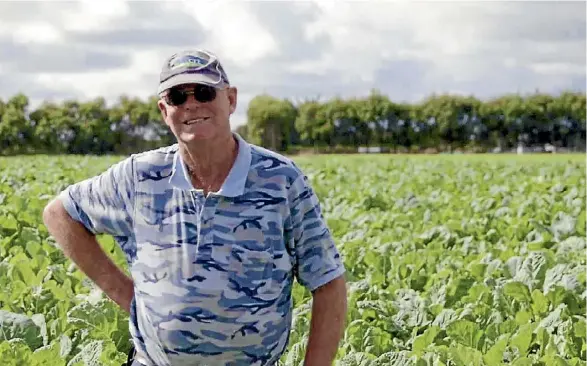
(196, 120)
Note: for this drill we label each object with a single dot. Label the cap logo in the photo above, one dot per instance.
(187, 61)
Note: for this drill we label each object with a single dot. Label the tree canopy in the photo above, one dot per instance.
(442, 122)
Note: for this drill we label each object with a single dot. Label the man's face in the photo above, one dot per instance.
(195, 120)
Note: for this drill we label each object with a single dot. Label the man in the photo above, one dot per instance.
(214, 230)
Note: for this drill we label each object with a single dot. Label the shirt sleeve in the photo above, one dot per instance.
(104, 203)
(318, 261)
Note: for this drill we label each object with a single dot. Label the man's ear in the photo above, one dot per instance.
(163, 109)
(232, 98)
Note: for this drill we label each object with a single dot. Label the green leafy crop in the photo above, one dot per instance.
(451, 261)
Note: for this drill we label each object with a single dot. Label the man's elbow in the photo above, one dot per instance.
(53, 211)
(56, 218)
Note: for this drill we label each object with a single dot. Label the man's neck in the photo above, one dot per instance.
(209, 163)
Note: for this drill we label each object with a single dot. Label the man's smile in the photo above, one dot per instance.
(196, 120)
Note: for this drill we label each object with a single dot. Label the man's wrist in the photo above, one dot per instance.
(118, 287)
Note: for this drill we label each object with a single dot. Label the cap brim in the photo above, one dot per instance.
(189, 79)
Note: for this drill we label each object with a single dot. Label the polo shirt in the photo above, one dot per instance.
(212, 275)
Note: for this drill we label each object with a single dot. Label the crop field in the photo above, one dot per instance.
(451, 260)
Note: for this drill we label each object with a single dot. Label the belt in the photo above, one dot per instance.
(131, 360)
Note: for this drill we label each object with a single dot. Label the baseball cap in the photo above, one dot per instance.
(192, 66)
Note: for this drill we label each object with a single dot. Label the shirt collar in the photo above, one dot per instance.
(234, 184)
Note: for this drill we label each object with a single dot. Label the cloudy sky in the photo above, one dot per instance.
(54, 50)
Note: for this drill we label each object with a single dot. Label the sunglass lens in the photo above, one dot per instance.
(204, 93)
(177, 97)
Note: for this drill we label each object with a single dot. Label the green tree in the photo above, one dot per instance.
(440, 122)
(271, 121)
(16, 131)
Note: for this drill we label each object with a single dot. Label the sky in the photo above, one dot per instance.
(300, 50)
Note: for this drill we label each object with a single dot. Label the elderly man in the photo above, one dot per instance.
(214, 230)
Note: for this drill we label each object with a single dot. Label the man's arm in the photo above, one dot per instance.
(320, 269)
(81, 246)
(329, 309)
(103, 204)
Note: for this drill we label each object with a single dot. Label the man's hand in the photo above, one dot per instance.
(79, 245)
(329, 309)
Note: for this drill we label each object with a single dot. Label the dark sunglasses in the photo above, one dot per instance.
(202, 93)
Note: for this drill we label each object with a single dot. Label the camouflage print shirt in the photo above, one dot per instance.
(212, 275)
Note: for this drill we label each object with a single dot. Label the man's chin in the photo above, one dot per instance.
(196, 137)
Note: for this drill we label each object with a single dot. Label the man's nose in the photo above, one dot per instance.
(191, 102)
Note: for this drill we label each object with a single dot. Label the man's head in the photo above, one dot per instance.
(196, 97)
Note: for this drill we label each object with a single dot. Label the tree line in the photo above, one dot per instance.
(439, 123)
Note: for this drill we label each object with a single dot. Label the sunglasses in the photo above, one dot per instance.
(202, 93)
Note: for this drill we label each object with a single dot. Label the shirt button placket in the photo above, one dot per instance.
(199, 201)
(206, 218)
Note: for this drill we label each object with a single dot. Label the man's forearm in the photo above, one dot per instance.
(83, 249)
(327, 324)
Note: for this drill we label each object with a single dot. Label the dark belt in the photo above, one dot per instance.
(130, 360)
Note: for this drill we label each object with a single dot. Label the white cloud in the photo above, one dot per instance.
(459, 39)
(295, 49)
(233, 32)
(94, 15)
(37, 32)
(557, 68)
